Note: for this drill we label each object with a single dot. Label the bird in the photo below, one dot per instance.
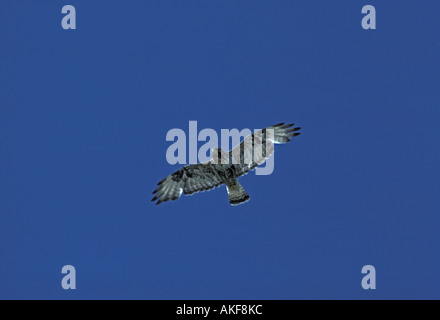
(225, 167)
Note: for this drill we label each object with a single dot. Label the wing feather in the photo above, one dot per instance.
(187, 180)
(259, 146)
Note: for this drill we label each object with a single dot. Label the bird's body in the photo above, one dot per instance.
(225, 167)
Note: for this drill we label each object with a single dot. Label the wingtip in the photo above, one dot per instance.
(293, 129)
(157, 190)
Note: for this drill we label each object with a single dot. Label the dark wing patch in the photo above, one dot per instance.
(188, 180)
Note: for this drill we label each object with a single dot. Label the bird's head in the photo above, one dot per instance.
(219, 156)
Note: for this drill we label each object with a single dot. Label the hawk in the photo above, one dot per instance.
(225, 167)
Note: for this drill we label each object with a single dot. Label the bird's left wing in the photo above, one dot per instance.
(257, 147)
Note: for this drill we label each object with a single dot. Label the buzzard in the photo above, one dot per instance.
(225, 167)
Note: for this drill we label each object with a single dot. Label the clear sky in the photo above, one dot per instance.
(83, 119)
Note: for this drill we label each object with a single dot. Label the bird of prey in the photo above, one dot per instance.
(225, 167)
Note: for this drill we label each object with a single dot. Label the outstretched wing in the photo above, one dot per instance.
(188, 180)
(259, 146)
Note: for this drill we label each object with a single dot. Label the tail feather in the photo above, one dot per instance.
(237, 195)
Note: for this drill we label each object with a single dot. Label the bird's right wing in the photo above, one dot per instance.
(188, 180)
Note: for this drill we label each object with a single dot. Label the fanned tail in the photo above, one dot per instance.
(237, 195)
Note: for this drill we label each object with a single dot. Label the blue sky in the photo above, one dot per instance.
(83, 119)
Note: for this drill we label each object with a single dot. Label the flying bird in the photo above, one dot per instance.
(225, 167)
